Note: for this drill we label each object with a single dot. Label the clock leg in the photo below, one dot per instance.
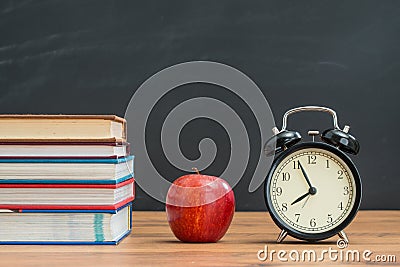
(281, 236)
(343, 236)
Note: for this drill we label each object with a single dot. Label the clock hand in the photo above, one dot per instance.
(305, 176)
(311, 191)
(300, 198)
(305, 202)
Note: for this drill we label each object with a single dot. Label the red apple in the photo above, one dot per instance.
(200, 208)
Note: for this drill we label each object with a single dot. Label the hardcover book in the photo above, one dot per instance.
(65, 179)
(66, 171)
(66, 196)
(80, 227)
(63, 150)
(62, 128)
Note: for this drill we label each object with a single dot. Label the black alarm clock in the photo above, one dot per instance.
(313, 189)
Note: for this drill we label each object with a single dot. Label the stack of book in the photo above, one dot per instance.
(64, 179)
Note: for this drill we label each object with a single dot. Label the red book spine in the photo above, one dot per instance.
(110, 186)
(67, 207)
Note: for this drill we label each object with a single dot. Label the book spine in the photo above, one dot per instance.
(108, 186)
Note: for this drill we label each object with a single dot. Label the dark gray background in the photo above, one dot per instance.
(90, 56)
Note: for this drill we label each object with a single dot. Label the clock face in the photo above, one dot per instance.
(313, 190)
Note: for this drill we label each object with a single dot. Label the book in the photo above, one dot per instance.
(85, 227)
(66, 196)
(66, 171)
(65, 179)
(62, 128)
(63, 150)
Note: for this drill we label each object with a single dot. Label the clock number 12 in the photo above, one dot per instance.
(312, 159)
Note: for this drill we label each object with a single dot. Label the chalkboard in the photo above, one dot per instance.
(89, 56)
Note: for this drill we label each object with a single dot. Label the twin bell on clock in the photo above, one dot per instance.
(313, 189)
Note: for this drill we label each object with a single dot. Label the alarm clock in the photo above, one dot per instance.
(313, 189)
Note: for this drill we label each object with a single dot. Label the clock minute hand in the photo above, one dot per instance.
(305, 176)
(311, 190)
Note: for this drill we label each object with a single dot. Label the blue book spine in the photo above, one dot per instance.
(61, 160)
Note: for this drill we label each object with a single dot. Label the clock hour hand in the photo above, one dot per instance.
(311, 191)
(300, 198)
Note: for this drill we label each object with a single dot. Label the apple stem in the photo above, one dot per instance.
(196, 170)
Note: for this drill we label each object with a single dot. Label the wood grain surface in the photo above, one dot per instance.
(153, 244)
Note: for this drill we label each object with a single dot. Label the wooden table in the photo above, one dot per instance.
(153, 244)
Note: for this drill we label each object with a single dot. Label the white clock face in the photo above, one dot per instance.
(319, 204)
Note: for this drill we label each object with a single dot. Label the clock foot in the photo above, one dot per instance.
(281, 236)
(343, 236)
